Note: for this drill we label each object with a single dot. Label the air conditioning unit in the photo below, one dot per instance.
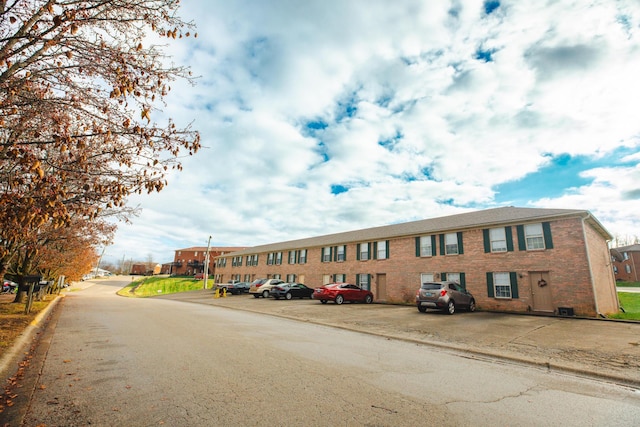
(565, 311)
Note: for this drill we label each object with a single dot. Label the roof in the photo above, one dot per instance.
(212, 249)
(459, 222)
(630, 248)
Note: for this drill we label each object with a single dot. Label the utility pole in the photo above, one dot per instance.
(99, 260)
(206, 264)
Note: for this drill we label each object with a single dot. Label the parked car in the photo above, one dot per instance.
(262, 287)
(235, 288)
(9, 287)
(447, 296)
(341, 292)
(291, 290)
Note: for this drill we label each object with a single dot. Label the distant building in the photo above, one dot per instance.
(190, 261)
(626, 263)
(511, 259)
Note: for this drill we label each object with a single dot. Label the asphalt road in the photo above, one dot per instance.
(112, 361)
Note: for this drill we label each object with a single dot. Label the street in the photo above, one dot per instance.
(115, 361)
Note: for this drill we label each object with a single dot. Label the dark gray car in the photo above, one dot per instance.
(445, 296)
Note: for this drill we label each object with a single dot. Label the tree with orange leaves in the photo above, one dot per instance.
(78, 88)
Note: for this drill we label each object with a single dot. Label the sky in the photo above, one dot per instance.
(323, 116)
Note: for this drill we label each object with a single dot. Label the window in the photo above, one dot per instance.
(453, 277)
(339, 278)
(627, 268)
(238, 261)
(340, 253)
(534, 236)
(502, 285)
(247, 278)
(270, 258)
(326, 254)
(426, 277)
(292, 257)
(625, 256)
(195, 254)
(363, 281)
(381, 249)
(302, 256)
(451, 244)
(426, 246)
(291, 278)
(252, 260)
(615, 269)
(278, 258)
(363, 251)
(498, 240)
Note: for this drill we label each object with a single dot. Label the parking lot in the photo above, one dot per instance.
(603, 348)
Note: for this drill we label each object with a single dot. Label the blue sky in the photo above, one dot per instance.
(324, 116)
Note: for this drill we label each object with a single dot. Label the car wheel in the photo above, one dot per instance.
(422, 309)
(451, 307)
(265, 294)
(256, 295)
(339, 299)
(472, 305)
(324, 301)
(287, 295)
(368, 299)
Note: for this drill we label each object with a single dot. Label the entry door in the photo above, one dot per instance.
(381, 287)
(541, 291)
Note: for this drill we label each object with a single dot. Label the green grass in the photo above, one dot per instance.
(628, 284)
(631, 304)
(152, 286)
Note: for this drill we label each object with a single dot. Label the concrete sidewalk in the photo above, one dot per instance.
(605, 349)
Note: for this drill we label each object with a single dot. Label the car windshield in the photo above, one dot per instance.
(431, 286)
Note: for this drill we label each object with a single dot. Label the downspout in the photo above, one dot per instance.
(593, 284)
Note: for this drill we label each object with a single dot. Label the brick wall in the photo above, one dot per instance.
(567, 265)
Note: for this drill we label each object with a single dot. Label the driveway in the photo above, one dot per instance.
(603, 348)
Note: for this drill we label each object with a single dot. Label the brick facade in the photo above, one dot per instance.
(190, 261)
(572, 269)
(626, 263)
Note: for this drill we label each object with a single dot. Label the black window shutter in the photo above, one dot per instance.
(433, 245)
(487, 240)
(509, 236)
(490, 285)
(345, 252)
(443, 276)
(334, 250)
(358, 252)
(375, 250)
(460, 247)
(369, 245)
(522, 244)
(387, 248)
(417, 246)
(546, 230)
(442, 244)
(514, 285)
(357, 280)
(321, 254)
(463, 280)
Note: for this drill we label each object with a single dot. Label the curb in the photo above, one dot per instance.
(10, 360)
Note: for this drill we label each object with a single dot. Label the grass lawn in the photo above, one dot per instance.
(13, 319)
(631, 304)
(151, 286)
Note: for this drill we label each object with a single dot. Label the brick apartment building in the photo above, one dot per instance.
(626, 263)
(190, 261)
(511, 259)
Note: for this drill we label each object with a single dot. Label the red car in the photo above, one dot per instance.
(341, 292)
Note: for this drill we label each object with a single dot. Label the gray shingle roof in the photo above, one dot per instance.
(459, 222)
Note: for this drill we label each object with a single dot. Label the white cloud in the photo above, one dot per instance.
(418, 123)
